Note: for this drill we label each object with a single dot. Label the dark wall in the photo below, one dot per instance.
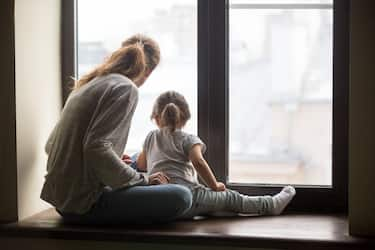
(8, 157)
(362, 119)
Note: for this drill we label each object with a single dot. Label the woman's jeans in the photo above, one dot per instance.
(138, 204)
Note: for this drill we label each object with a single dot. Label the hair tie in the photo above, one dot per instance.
(140, 43)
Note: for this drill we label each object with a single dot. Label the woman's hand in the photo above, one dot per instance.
(127, 159)
(158, 178)
(219, 187)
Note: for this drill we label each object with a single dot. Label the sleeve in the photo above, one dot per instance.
(50, 140)
(146, 142)
(102, 147)
(52, 135)
(190, 141)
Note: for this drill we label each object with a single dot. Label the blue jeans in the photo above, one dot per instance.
(139, 204)
(136, 205)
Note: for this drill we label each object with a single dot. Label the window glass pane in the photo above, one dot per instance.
(104, 24)
(280, 95)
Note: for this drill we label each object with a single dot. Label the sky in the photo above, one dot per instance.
(116, 11)
(119, 11)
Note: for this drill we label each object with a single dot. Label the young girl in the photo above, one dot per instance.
(179, 156)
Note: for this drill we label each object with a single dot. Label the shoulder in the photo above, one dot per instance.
(149, 138)
(189, 140)
(117, 87)
(187, 136)
(121, 84)
(152, 133)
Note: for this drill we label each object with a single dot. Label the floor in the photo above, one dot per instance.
(291, 231)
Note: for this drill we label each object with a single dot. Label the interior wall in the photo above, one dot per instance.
(362, 119)
(8, 159)
(38, 94)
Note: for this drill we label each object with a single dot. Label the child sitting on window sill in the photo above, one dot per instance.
(178, 155)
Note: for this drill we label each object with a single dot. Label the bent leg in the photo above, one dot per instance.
(139, 204)
(206, 201)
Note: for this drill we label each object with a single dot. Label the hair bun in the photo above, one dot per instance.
(170, 116)
(171, 110)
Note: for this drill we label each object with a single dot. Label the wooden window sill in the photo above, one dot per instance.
(290, 231)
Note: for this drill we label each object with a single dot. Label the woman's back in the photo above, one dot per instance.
(72, 182)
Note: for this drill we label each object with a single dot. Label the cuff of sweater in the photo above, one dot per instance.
(138, 179)
(144, 178)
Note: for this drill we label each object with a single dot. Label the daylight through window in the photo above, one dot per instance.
(280, 84)
(104, 24)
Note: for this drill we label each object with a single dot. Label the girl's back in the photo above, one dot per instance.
(168, 152)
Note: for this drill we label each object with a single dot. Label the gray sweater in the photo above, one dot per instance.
(85, 147)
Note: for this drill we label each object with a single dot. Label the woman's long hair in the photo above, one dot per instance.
(138, 55)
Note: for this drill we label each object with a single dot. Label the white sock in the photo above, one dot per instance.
(282, 199)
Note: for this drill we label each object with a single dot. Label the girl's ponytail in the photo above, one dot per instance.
(170, 116)
(171, 110)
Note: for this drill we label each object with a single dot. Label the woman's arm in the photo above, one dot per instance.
(50, 140)
(200, 164)
(102, 143)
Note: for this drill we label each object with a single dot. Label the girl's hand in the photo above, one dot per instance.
(158, 178)
(219, 187)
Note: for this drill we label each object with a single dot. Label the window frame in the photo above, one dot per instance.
(213, 99)
(68, 49)
(213, 103)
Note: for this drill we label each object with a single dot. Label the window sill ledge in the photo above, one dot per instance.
(291, 231)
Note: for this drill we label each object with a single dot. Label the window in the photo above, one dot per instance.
(171, 23)
(256, 140)
(262, 67)
(280, 92)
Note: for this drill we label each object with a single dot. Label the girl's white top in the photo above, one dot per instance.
(168, 152)
(85, 147)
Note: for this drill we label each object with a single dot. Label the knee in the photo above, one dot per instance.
(182, 198)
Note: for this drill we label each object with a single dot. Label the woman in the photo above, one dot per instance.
(87, 181)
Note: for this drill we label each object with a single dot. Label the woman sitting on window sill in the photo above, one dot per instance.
(87, 181)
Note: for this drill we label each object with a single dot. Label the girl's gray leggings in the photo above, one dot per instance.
(208, 202)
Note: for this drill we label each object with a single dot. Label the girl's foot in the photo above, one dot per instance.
(282, 199)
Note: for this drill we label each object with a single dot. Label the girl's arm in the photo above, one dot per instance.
(142, 162)
(155, 178)
(200, 164)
